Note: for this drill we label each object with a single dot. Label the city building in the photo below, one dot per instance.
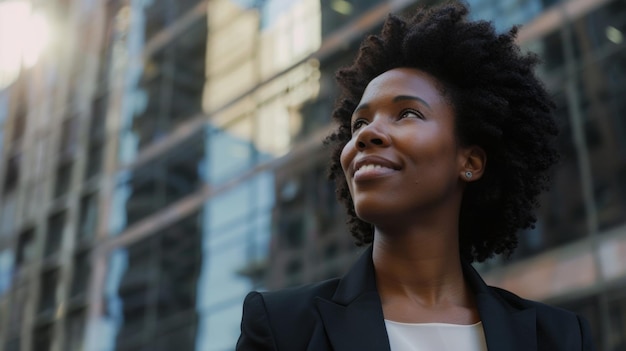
(164, 157)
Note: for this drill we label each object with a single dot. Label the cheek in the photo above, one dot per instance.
(347, 155)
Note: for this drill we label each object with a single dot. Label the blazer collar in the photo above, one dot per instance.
(353, 317)
(507, 327)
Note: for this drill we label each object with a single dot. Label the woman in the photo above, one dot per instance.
(444, 142)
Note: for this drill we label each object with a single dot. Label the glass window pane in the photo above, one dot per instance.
(170, 88)
(602, 89)
(230, 207)
(25, 247)
(48, 291)
(223, 268)
(74, 331)
(152, 287)
(63, 178)
(43, 338)
(54, 236)
(82, 271)
(231, 151)
(88, 216)
(177, 173)
(219, 329)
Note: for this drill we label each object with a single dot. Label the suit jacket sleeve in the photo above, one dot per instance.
(585, 331)
(256, 333)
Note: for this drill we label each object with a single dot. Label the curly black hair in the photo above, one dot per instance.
(499, 105)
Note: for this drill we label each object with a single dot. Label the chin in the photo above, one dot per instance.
(372, 213)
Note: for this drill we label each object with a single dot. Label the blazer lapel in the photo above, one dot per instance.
(353, 317)
(506, 327)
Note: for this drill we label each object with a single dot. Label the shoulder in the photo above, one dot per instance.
(292, 301)
(543, 311)
(554, 324)
(282, 319)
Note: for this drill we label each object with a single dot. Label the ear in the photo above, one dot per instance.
(473, 163)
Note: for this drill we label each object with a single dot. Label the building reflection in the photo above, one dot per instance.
(168, 158)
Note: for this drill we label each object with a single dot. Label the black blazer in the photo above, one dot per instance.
(346, 315)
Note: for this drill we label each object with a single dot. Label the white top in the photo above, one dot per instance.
(435, 336)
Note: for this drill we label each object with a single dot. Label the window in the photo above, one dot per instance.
(25, 248)
(74, 331)
(63, 178)
(171, 88)
(12, 173)
(12, 345)
(17, 309)
(43, 338)
(158, 285)
(88, 216)
(54, 237)
(176, 174)
(69, 137)
(82, 270)
(19, 119)
(48, 291)
(337, 13)
(97, 137)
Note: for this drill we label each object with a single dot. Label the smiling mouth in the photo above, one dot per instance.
(371, 170)
(370, 167)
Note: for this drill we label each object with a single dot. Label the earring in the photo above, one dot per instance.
(468, 175)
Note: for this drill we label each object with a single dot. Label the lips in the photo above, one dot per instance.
(373, 166)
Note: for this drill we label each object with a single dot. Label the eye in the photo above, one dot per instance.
(409, 113)
(358, 124)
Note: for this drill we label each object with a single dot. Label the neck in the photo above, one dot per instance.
(424, 266)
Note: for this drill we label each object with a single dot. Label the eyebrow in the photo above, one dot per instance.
(396, 99)
(409, 97)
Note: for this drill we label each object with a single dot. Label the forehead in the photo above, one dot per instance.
(403, 81)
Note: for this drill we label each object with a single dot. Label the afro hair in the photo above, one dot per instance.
(499, 105)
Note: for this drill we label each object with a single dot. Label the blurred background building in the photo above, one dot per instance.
(161, 158)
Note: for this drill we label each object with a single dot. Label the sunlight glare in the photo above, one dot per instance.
(24, 35)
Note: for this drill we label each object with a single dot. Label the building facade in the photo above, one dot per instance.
(165, 157)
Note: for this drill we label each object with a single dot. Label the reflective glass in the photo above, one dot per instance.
(231, 151)
(7, 260)
(617, 316)
(48, 291)
(337, 13)
(26, 249)
(219, 329)
(43, 337)
(602, 29)
(82, 272)
(74, 331)
(169, 90)
(602, 85)
(63, 177)
(54, 233)
(88, 216)
(223, 267)
(507, 13)
(175, 174)
(152, 287)
(161, 13)
(605, 130)
(17, 309)
(97, 136)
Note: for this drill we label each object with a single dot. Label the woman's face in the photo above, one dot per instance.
(403, 158)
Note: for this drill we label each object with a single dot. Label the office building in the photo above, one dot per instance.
(164, 157)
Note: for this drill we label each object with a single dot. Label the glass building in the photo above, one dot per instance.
(165, 157)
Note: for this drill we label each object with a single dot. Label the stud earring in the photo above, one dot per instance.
(468, 175)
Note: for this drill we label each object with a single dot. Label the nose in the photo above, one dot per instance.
(373, 134)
